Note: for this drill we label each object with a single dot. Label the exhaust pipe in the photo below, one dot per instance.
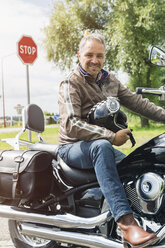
(59, 220)
(92, 241)
(89, 240)
(65, 221)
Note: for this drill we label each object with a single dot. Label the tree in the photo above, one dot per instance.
(134, 26)
(129, 27)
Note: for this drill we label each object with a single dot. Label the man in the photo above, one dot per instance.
(83, 145)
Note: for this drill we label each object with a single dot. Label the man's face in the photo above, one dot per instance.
(92, 57)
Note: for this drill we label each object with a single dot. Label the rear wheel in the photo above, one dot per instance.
(25, 241)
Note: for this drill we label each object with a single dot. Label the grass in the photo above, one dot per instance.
(50, 135)
(141, 136)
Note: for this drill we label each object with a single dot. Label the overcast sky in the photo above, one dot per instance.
(26, 17)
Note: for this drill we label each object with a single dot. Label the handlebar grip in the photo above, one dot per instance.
(148, 91)
(139, 90)
(132, 138)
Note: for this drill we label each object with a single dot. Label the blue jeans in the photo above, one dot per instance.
(101, 155)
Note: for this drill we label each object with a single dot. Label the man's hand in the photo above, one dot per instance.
(121, 137)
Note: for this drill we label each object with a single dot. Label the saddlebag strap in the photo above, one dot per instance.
(18, 161)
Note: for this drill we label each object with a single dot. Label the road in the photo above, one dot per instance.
(17, 129)
(9, 130)
(5, 240)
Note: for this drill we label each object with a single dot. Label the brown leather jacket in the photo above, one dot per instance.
(79, 93)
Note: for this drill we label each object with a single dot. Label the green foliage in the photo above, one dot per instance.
(62, 35)
(133, 26)
(48, 113)
(129, 27)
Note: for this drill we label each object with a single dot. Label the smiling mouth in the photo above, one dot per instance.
(94, 67)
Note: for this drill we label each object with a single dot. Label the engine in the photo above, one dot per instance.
(146, 193)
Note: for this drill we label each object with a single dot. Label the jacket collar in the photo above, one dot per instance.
(102, 75)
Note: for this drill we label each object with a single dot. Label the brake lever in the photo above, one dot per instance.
(131, 138)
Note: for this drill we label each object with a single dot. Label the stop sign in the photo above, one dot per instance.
(27, 50)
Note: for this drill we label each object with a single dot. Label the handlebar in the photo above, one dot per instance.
(152, 91)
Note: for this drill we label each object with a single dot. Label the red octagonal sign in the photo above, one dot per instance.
(27, 50)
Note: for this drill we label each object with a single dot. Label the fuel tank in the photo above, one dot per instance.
(147, 157)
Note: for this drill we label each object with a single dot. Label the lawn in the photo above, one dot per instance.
(141, 136)
(50, 135)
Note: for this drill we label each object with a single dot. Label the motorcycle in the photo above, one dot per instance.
(50, 204)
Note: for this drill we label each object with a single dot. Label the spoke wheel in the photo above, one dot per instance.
(24, 241)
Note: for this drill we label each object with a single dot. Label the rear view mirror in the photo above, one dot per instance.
(157, 56)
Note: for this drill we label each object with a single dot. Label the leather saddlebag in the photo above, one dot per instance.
(25, 174)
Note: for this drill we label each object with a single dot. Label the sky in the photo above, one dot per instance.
(18, 18)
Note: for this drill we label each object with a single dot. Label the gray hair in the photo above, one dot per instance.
(94, 36)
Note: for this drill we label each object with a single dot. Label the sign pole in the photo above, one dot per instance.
(28, 88)
(27, 52)
(3, 96)
(28, 97)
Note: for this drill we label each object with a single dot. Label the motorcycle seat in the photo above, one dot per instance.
(76, 177)
(47, 147)
(73, 176)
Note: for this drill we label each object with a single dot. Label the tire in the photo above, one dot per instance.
(23, 241)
